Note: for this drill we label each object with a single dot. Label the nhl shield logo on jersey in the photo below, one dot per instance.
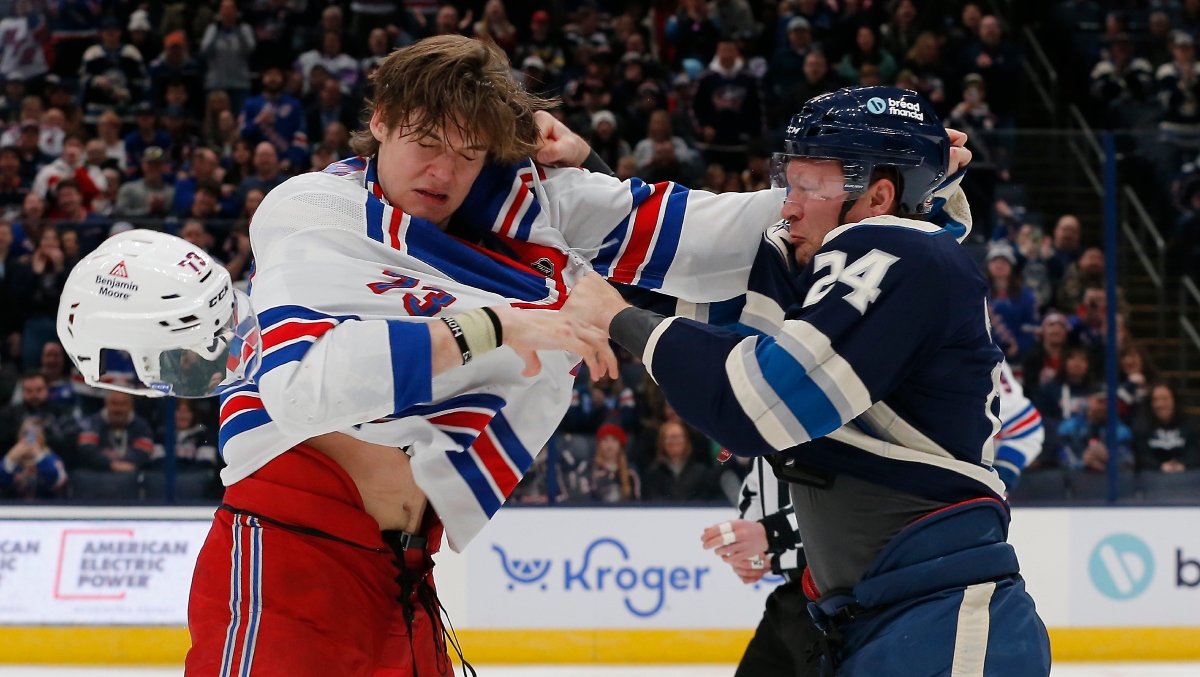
(544, 266)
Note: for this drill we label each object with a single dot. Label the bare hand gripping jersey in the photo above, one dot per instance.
(343, 281)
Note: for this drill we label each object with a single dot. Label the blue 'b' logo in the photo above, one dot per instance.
(876, 106)
(1121, 566)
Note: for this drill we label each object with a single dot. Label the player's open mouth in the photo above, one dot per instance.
(439, 198)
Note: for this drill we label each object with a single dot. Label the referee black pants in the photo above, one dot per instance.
(783, 638)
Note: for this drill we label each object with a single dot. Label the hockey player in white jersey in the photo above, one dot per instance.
(404, 374)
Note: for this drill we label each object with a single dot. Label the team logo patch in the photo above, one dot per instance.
(119, 271)
(876, 106)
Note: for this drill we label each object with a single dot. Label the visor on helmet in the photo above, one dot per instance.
(230, 359)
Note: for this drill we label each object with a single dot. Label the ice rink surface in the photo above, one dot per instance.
(1063, 670)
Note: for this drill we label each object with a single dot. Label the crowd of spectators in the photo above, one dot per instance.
(183, 116)
(1048, 306)
(1144, 77)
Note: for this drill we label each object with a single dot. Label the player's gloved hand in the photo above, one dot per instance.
(959, 155)
(744, 540)
(748, 572)
(594, 301)
(528, 331)
(560, 147)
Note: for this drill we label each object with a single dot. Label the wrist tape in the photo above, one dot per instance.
(477, 332)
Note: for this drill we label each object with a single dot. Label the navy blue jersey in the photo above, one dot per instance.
(875, 361)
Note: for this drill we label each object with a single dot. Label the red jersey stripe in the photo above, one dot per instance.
(496, 465)
(645, 224)
(289, 331)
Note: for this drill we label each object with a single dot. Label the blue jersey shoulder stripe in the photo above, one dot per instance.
(531, 213)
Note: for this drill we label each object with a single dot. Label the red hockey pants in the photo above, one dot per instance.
(296, 580)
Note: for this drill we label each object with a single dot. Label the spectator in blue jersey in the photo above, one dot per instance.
(677, 474)
(1164, 439)
(277, 118)
(115, 438)
(1122, 82)
(1011, 302)
(727, 108)
(31, 469)
(266, 174)
(112, 72)
(594, 404)
(206, 167)
(147, 135)
(1084, 437)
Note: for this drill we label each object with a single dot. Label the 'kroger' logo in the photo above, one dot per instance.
(1121, 566)
(606, 566)
(876, 106)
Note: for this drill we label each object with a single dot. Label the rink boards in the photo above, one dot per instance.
(621, 585)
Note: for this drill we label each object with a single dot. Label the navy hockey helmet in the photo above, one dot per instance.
(869, 127)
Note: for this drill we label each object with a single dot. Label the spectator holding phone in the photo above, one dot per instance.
(30, 468)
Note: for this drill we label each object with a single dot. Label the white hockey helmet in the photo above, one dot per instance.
(167, 304)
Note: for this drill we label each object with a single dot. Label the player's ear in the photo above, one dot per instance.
(379, 128)
(881, 197)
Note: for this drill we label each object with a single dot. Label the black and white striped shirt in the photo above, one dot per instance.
(766, 499)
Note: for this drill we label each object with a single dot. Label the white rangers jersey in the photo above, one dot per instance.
(1020, 440)
(343, 280)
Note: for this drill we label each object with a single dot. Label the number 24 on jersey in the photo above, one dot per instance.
(863, 277)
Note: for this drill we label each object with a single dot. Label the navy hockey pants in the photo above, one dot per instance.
(943, 599)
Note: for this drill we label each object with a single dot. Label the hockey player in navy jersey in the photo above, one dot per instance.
(872, 379)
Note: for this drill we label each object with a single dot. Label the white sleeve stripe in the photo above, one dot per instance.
(761, 404)
(830, 371)
(652, 344)
(692, 311)
(888, 424)
(863, 441)
(762, 313)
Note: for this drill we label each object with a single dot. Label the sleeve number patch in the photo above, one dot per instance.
(863, 277)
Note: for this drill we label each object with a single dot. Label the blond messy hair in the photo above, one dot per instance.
(453, 82)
